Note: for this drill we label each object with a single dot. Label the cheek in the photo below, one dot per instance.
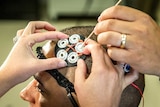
(44, 102)
(49, 102)
(55, 99)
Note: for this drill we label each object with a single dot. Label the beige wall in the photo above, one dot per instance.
(7, 32)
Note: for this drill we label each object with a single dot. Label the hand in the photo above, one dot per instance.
(143, 38)
(104, 85)
(21, 62)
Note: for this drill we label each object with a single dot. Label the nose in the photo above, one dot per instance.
(28, 93)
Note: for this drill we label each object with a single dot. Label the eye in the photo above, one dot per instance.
(39, 88)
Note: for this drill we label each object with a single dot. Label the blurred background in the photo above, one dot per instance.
(15, 14)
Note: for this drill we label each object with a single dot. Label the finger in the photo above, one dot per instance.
(40, 37)
(118, 54)
(19, 33)
(114, 39)
(109, 38)
(88, 42)
(130, 78)
(50, 63)
(80, 73)
(115, 25)
(34, 25)
(99, 56)
(120, 12)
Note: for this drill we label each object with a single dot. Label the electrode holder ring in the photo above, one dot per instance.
(70, 50)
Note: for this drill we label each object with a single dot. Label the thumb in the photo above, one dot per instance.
(80, 73)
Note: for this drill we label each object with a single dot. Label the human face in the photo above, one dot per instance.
(44, 91)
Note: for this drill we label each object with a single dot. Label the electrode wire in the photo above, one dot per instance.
(119, 1)
(140, 91)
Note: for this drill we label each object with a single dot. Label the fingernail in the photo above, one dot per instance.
(99, 19)
(66, 36)
(62, 64)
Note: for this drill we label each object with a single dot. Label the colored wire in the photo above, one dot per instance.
(140, 91)
(118, 2)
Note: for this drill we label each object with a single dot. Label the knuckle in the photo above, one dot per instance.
(109, 24)
(101, 38)
(99, 27)
(143, 30)
(104, 37)
(53, 64)
(115, 9)
(105, 26)
(145, 18)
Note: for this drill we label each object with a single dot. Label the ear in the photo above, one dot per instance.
(48, 49)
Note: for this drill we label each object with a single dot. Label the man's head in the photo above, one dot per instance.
(44, 91)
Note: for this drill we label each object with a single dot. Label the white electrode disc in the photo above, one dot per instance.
(73, 57)
(62, 43)
(74, 38)
(62, 54)
(79, 47)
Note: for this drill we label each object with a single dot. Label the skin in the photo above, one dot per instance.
(22, 51)
(107, 81)
(50, 94)
(46, 95)
(39, 93)
(143, 38)
(56, 95)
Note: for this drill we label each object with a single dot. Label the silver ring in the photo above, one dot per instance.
(123, 40)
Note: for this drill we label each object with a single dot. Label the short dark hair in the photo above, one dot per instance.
(130, 96)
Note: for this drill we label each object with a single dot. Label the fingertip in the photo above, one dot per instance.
(62, 63)
(81, 65)
(63, 36)
(79, 61)
(99, 19)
